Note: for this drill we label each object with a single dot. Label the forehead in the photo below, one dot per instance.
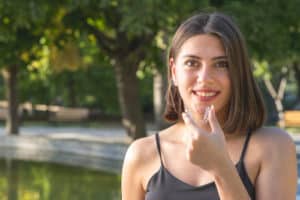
(205, 46)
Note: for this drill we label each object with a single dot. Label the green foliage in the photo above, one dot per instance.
(30, 30)
(94, 88)
(21, 25)
(272, 29)
(2, 92)
(262, 69)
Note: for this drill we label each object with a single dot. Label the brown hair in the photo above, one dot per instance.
(245, 108)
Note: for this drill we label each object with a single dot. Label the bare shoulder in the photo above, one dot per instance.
(275, 153)
(273, 135)
(141, 151)
(139, 158)
(273, 141)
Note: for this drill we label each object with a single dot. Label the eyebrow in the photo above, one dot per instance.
(199, 58)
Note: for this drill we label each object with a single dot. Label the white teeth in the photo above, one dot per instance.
(206, 94)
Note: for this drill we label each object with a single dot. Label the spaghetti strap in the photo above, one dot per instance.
(245, 145)
(158, 147)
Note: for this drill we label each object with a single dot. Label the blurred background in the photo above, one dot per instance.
(99, 67)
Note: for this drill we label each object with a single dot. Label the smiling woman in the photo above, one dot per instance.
(231, 156)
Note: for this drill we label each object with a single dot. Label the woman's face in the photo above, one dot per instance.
(201, 74)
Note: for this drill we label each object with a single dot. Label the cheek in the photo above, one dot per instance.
(184, 83)
(224, 81)
(180, 76)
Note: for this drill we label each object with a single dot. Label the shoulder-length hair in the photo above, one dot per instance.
(245, 109)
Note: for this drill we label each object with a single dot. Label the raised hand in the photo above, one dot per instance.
(203, 148)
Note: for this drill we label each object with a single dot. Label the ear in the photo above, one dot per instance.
(173, 70)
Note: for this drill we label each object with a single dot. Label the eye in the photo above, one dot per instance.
(191, 63)
(222, 64)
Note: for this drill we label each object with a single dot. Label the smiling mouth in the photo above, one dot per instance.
(206, 96)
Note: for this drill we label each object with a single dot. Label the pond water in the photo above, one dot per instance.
(25, 180)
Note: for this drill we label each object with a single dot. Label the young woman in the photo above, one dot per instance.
(216, 147)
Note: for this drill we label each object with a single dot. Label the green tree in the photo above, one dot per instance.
(20, 28)
(271, 29)
(125, 31)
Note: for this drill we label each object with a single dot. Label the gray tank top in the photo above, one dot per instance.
(164, 186)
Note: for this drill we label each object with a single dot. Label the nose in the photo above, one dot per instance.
(204, 74)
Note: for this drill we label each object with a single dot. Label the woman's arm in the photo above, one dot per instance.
(277, 178)
(132, 188)
(229, 183)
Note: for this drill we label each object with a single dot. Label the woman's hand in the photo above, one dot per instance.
(206, 149)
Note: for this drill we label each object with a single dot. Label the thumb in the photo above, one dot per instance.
(213, 121)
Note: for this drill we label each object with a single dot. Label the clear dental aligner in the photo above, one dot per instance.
(205, 116)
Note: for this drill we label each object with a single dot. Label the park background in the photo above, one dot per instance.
(98, 62)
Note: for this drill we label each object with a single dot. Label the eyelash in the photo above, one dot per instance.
(222, 64)
(191, 63)
(195, 63)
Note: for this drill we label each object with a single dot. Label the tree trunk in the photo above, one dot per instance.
(10, 79)
(127, 84)
(278, 97)
(279, 108)
(296, 68)
(159, 98)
